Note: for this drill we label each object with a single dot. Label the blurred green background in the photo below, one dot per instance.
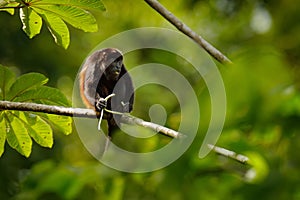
(261, 37)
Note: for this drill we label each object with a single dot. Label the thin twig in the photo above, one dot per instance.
(129, 119)
(188, 31)
(230, 154)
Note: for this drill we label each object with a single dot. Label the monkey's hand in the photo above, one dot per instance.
(101, 103)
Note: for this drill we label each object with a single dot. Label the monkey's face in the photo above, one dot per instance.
(113, 71)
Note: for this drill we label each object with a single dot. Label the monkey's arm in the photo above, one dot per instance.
(124, 99)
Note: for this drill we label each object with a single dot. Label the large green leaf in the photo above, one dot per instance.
(62, 123)
(7, 78)
(17, 135)
(84, 4)
(38, 129)
(57, 27)
(44, 94)
(25, 83)
(75, 16)
(32, 22)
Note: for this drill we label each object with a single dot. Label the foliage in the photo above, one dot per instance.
(55, 14)
(19, 128)
(69, 183)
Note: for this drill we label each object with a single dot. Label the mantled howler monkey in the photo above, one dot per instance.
(102, 74)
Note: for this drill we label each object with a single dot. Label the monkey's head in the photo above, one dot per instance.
(114, 62)
(100, 73)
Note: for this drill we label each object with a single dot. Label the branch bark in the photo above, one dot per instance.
(50, 109)
(128, 119)
(82, 112)
(188, 31)
(230, 154)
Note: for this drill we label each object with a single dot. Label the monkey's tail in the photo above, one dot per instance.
(112, 127)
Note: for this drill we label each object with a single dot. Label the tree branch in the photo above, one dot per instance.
(88, 113)
(188, 31)
(50, 109)
(126, 118)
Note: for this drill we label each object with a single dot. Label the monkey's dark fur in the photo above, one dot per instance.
(102, 74)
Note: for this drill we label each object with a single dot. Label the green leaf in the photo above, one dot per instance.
(25, 83)
(84, 4)
(38, 129)
(19, 127)
(45, 95)
(75, 16)
(57, 27)
(2, 134)
(9, 10)
(17, 135)
(55, 13)
(7, 77)
(62, 123)
(32, 22)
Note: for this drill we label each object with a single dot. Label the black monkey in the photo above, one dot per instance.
(102, 74)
